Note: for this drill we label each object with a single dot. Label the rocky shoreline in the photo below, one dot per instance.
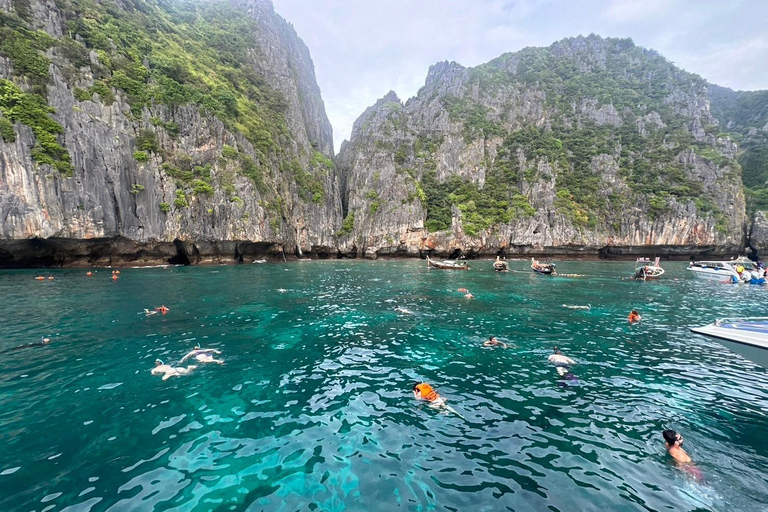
(120, 251)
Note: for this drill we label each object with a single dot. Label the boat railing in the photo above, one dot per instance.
(721, 321)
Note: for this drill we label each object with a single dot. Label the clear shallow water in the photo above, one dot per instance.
(313, 408)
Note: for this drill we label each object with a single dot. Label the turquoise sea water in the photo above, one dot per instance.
(313, 408)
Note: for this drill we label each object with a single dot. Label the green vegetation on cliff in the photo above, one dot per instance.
(155, 52)
(606, 102)
(745, 114)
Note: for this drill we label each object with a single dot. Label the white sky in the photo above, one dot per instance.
(364, 48)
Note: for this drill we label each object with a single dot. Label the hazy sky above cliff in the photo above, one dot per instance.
(363, 49)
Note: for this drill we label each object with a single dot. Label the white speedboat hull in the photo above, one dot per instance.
(714, 274)
(748, 338)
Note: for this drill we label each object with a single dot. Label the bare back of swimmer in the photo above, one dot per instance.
(168, 371)
(203, 355)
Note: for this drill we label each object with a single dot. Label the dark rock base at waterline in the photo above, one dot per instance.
(119, 251)
(66, 252)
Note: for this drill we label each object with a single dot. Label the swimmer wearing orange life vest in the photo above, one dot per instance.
(424, 391)
(114, 277)
(634, 317)
(162, 309)
(40, 278)
(89, 273)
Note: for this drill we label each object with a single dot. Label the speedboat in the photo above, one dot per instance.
(645, 270)
(448, 264)
(747, 337)
(543, 268)
(740, 270)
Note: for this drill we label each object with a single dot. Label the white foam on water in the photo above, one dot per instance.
(10, 471)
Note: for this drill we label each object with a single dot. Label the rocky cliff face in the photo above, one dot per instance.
(745, 114)
(121, 133)
(588, 145)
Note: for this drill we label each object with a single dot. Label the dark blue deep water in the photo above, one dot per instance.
(313, 408)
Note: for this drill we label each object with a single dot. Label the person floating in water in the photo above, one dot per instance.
(89, 273)
(493, 342)
(674, 445)
(162, 309)
(403, 310)
(43, 342)
(203, 355)
(40, 278)
(424, 391)
(634, 317)
(168, 371)
(562, 362)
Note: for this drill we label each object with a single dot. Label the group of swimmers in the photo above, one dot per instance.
(201, 355)
(563, 364)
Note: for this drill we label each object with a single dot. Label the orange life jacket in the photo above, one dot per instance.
(633, 318)
(427, 392)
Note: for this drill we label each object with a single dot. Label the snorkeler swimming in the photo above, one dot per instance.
(168, 371)
(203, 355)
(424, 391)
(561, 362)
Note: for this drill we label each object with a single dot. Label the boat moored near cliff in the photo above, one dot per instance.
(500, 265)
(543, 268)
(740, 270)
(448, 264)
(645, 270)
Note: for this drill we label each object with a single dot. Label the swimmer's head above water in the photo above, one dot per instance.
(556, 350)
(672, 438)
(158, 362)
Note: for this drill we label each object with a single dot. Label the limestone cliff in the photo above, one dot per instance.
(147, 131)
(588, 145)
(745, 114)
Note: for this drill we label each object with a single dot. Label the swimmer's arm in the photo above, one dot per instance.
(504, 345)
(186, 357)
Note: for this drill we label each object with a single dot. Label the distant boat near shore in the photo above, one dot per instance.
(740, 270)
(645, 270)
(543, 268)
(448, 264)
